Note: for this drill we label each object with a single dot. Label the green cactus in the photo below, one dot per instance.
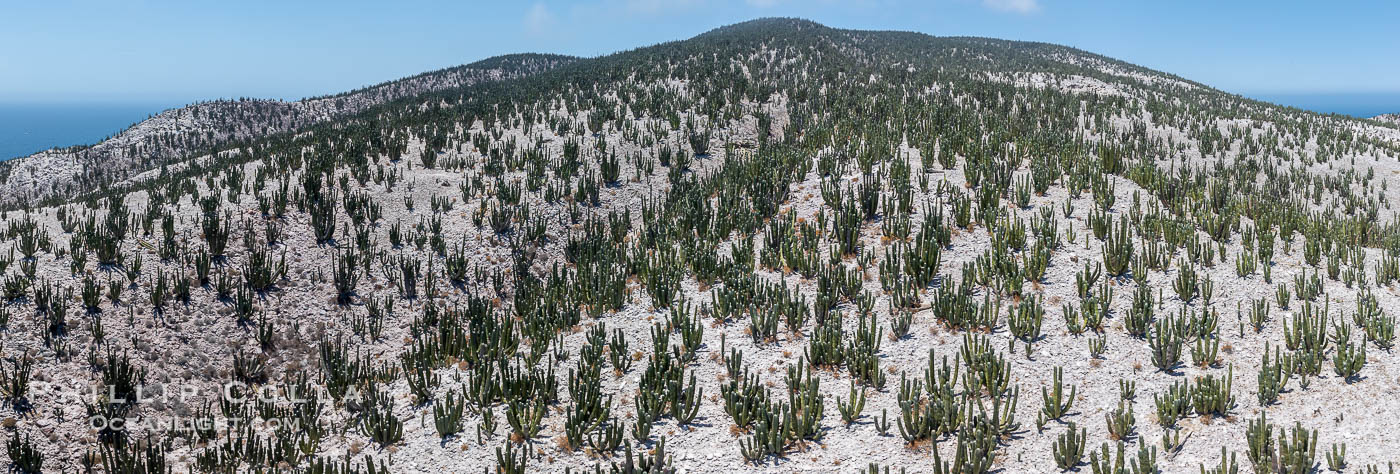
(14, 384)
(1186, 284)
(1171, 440)
(1205, 353)
(1211, 395)
(1096, 346)
(511, 460)
(1166, 343)
(1349, 358)
(1172, 404)
(1118, 249)
(1025, 322)
(854, 404)
(1068, 449)
(447, 414)
(1102, 462)
(1228, 464)
(1139, 318)
(1056, 403)
(24, 456)
(1258, 314)
(1273, 376)
(525, 417)
(380, 424)
(1085, 279)
(1337, 457)
(1120, 422)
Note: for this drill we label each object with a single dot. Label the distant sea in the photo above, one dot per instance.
(1361, 105)
(29, 128)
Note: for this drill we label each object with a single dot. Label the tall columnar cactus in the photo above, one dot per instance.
(1166, 342)
(1068, 449)
(24, 456)
(1118, 249)
(1055, 402)
(1273, 376)
(1121, 421)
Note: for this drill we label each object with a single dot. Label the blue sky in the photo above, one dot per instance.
(182, 51)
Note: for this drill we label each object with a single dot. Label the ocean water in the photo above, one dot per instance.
(1361, 104)
(29, 128)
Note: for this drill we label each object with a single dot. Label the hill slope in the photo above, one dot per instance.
(775, 246)
(178, 133)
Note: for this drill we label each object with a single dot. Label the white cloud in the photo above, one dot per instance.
(1014, 6)
(538, 19)
(660, 6)
(645, 6)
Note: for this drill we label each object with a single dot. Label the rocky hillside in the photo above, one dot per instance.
(176, 134)
(776, 247)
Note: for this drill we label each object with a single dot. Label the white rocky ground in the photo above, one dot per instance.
(195, 344)
(189, 343)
